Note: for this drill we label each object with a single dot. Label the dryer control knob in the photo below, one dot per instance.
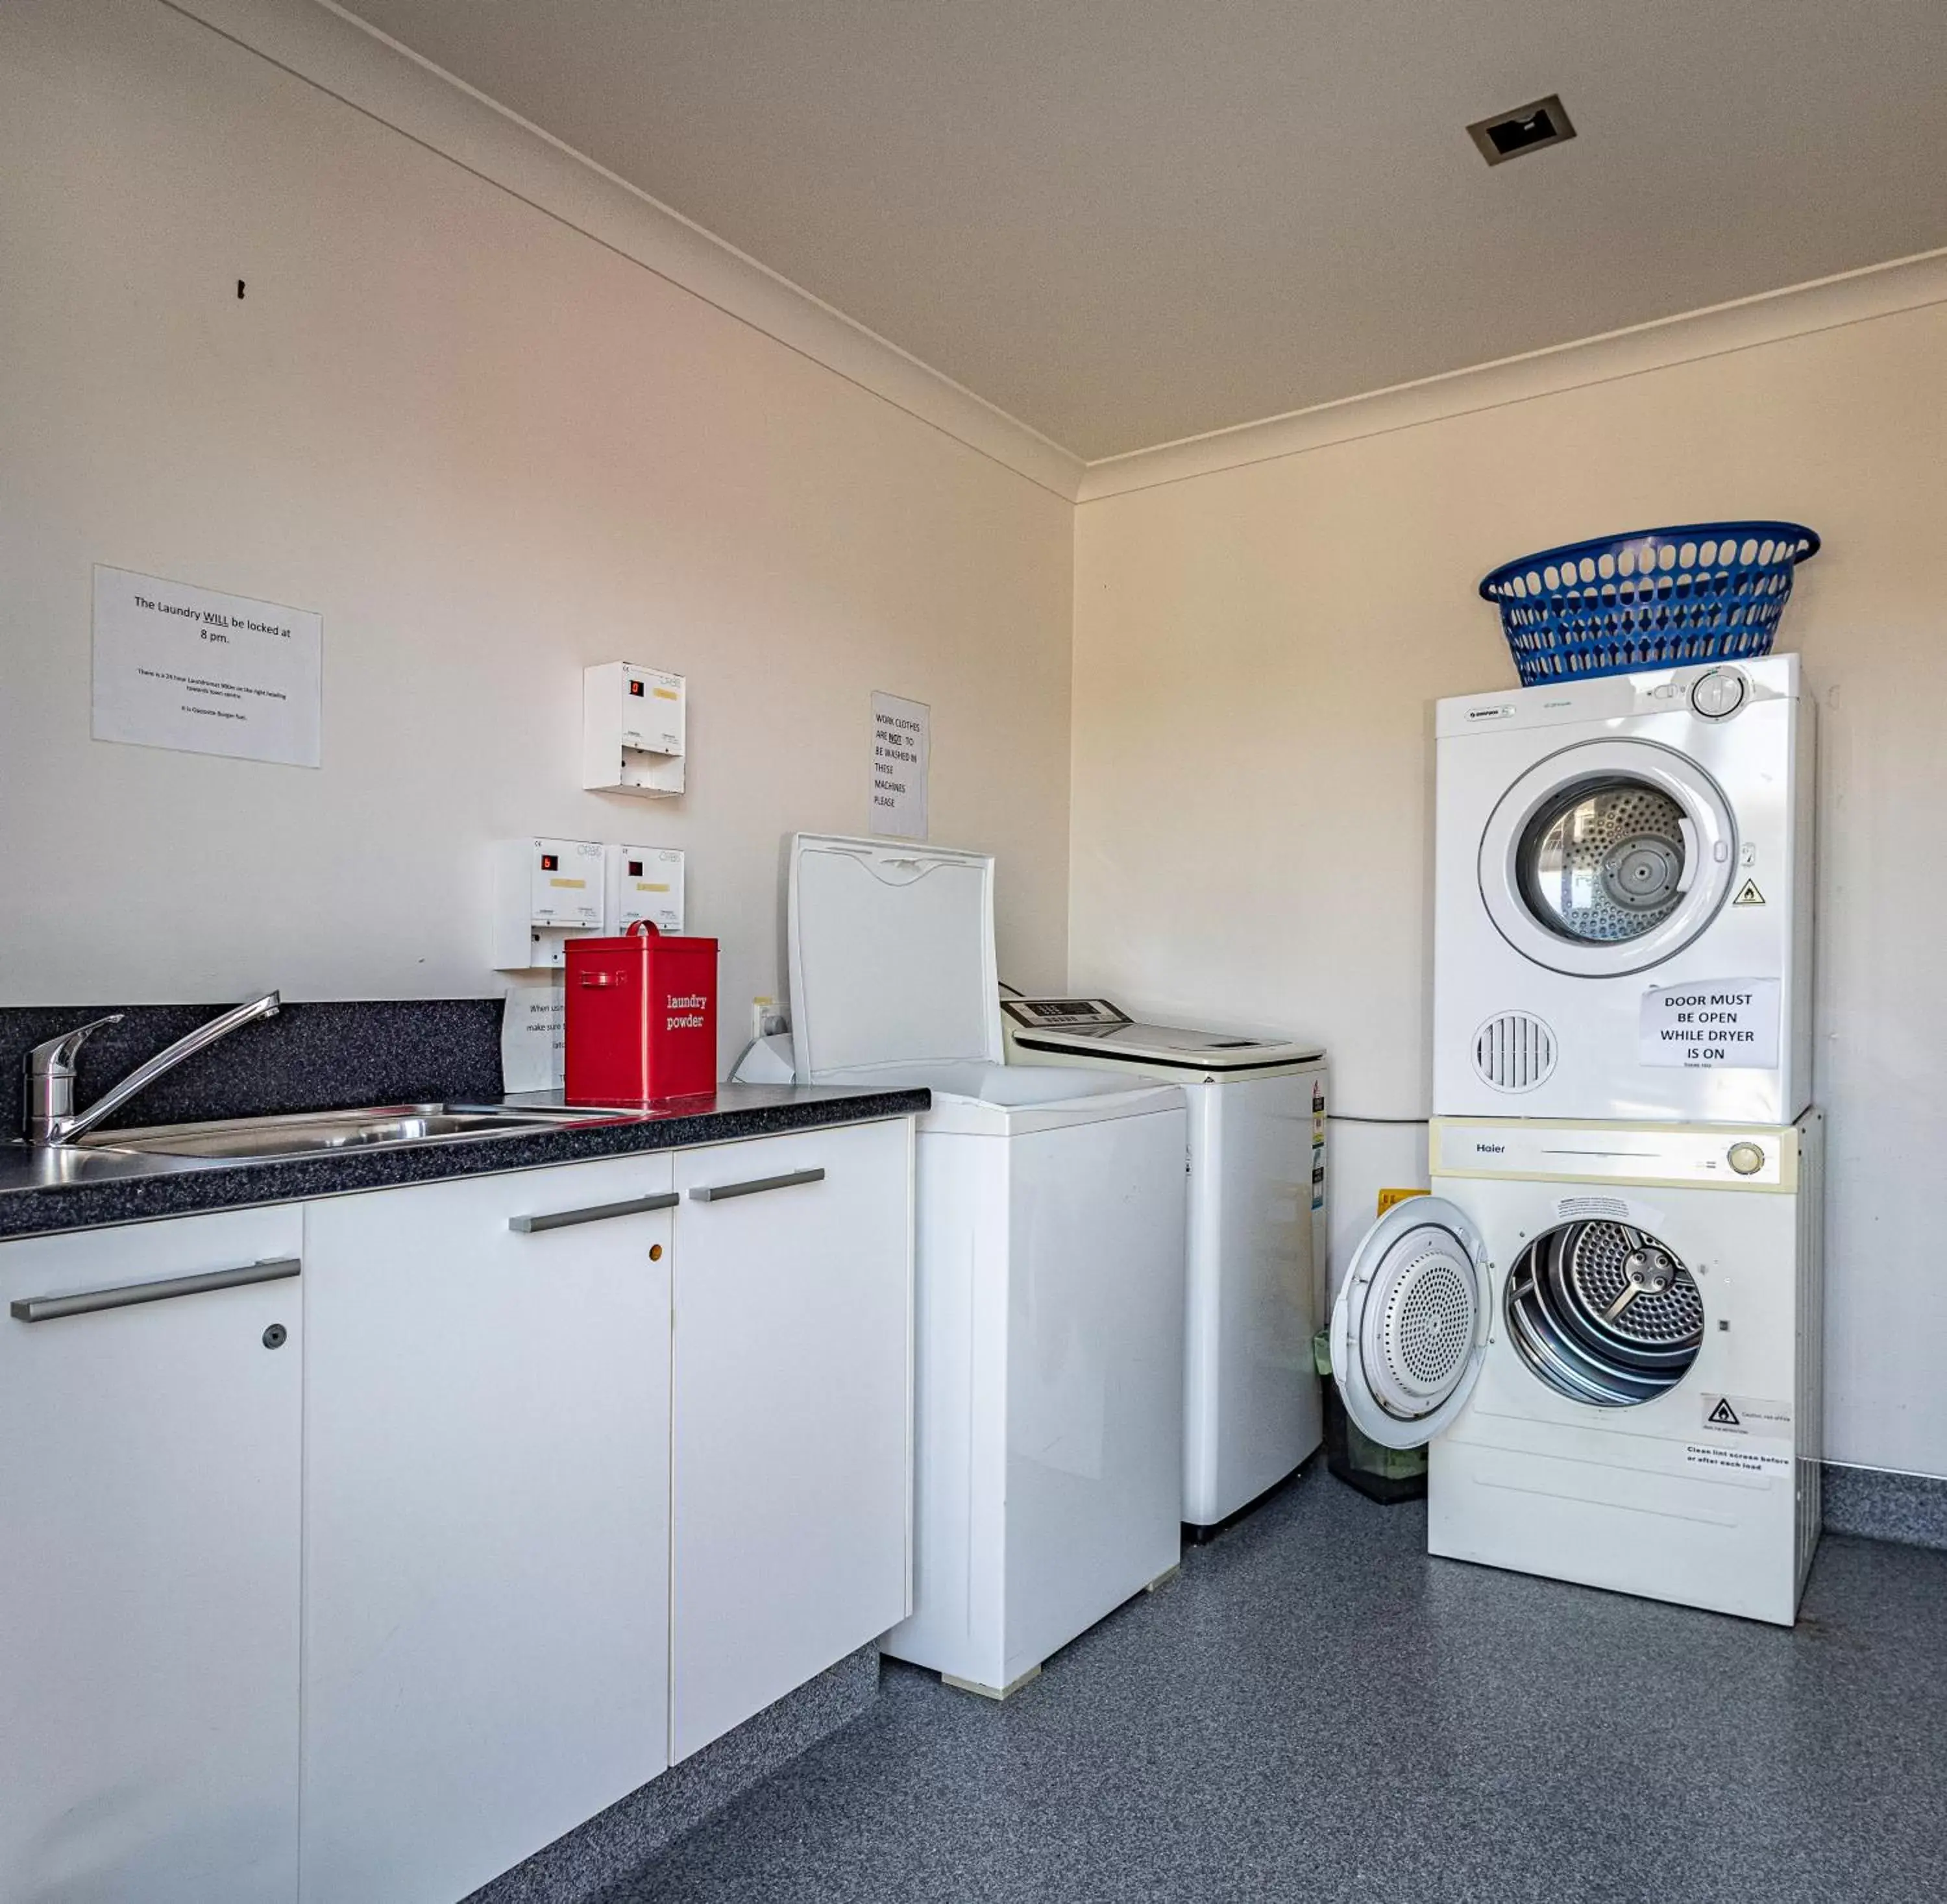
(1719, 694)
(1747, 1159)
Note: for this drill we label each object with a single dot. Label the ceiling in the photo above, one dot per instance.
(1131, 221)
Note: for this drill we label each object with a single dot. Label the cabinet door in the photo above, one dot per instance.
(792, 1463)
(486, 1553)
(149, 1529)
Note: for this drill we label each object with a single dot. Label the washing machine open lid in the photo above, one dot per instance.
(891, 958)
(1409, 1322)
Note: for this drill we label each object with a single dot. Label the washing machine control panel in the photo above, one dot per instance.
(1062, 1014)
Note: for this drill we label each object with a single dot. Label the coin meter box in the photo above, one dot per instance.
(543, 891)
(642, 1018)
(646, 883)
(633, 723)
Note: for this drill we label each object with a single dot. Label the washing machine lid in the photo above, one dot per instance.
(1409, 1322)
(1095, 1028)
(892, 957)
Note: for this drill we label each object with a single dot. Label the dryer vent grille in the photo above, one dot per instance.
(1514, 1051)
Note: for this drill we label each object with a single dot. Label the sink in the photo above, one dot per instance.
(312, 1133)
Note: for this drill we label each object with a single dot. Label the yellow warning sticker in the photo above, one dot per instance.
(1749, 894)
(1387, 1198)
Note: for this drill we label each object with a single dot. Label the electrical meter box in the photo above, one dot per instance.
(544, 890)
(632, 730)
(646, 883)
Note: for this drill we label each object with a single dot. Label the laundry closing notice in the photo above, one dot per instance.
(1726, 1024)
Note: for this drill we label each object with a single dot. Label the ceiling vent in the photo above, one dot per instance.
(1528, 128)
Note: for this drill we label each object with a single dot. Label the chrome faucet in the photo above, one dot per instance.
(47, 1079)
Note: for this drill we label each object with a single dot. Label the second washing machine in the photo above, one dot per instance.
(1257, 1233)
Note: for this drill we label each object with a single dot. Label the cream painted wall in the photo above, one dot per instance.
(489, 451)
(1257, 652)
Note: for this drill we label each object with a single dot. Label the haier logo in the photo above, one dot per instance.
(1490, 1150)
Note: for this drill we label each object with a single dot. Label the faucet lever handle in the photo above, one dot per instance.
(58, 1054)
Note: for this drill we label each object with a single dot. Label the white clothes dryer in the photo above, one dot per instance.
(1608, 1339)
(1258, 1233)
(1049, 1258)
(1622, 901)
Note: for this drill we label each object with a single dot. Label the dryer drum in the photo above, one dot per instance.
(1602, 860)
(1604, 1313)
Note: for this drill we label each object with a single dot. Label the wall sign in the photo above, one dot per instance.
(201, 672)
(533, 1035)
(1726, 1024)
(902, 744)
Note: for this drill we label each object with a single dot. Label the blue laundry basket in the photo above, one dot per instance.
(1700, 592)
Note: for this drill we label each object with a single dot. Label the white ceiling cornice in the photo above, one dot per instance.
(1877, 291)
(318, 42)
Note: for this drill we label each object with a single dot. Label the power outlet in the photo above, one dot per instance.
(769, 1018)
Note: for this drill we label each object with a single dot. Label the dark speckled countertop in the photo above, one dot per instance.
(41, 1192)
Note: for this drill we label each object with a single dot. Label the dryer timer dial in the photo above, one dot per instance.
(1719, 693)
(1747, 1159)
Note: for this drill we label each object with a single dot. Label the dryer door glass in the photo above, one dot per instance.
(1605, 860)
(1604, 1313)
(1607, 857)
(1409, 1323)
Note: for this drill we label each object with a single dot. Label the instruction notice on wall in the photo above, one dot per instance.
(1729, 1024)
(201, 672)
(902, 740)
(533, 1035)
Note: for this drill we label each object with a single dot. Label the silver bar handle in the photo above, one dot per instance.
(754, 1186)
(87, 1302)
(593, 1213)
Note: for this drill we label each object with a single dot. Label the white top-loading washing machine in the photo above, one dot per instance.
(1257, 1233)
(1622, 905)
(1609, 1339)
(1049, 1251)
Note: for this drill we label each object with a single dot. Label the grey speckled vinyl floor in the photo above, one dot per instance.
(1316, 1710)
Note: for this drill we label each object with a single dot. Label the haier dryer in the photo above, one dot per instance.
(1257, 1233)
(1622, 901)
(1608, 1337)
(1049, 1250)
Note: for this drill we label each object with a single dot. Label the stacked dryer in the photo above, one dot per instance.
(1604, 1322)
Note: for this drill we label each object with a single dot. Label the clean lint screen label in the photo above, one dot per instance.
(1729, 1024)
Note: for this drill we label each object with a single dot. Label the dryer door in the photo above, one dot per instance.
(1409, 1323)
(1607, 857)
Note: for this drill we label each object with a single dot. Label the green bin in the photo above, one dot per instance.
(1386, 1474)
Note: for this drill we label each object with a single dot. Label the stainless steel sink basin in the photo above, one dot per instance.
(312, 1133)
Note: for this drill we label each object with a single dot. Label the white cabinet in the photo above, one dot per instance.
(792, 1415)
(486, 1561)
(149, 1545)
